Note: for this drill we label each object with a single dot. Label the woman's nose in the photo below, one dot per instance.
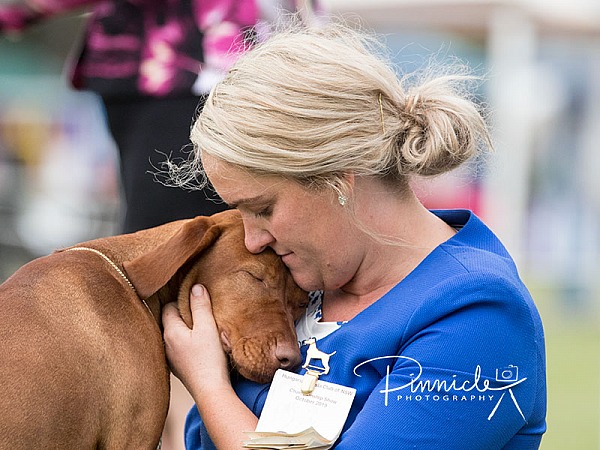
(257, 239)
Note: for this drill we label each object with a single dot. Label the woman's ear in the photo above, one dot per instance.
(348, 180)
(344, 187)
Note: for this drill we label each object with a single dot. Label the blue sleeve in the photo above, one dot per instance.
(469, 375)
(195, 433)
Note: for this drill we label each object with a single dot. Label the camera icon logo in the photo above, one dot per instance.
(507, 374)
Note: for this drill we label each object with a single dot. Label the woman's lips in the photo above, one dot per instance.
(286, 258)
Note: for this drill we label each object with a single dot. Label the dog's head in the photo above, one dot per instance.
(254, 298)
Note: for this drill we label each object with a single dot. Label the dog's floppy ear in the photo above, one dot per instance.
(151, 271)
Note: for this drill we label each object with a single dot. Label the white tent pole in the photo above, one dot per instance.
(511, 49)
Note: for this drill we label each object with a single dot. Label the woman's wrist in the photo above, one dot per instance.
(209, 386)
(225, 416)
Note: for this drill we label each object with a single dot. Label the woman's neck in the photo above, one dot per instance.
(415, 233)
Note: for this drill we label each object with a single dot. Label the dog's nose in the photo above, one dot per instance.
(288, 355)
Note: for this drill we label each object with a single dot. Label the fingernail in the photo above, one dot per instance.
(197, 290)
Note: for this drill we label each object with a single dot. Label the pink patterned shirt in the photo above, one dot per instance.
(153, 48)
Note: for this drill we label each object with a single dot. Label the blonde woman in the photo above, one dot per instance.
(314, 140)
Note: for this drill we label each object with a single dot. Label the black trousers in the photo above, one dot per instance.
(146, 132)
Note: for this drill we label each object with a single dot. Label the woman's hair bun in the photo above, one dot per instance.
(440, 127)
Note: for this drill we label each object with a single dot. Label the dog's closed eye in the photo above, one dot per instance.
(254, 275)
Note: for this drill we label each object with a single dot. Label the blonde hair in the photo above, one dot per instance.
(314, 104)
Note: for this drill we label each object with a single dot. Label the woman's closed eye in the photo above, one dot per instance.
(263, 212)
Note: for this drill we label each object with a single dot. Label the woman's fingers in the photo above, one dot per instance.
(201, 307)
(195, 354)
(171, 316)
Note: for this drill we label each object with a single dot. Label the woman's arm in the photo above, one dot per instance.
(197, 358)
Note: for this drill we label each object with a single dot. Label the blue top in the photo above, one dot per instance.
(464, 347)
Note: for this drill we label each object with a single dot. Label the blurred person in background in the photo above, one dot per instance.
(152, 62)
(422, 312)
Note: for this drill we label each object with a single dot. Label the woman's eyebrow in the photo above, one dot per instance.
(259, 199)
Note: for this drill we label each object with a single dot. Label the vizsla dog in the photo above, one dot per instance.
(83, 363)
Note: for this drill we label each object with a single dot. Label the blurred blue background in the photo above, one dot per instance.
(540, 190)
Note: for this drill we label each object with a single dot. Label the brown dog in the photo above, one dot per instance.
(83, 363)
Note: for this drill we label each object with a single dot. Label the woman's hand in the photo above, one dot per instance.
(195, 355)
(198, 360)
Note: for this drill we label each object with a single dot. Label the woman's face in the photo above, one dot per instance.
(308, 229)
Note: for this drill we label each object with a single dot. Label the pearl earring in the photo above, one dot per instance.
(342, 199)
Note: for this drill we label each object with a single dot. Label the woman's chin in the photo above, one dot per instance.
(305, 281)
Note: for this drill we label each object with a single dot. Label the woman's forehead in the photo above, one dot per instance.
(238, 186)
(210, 163)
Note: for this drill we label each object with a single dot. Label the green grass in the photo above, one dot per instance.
(573, 373)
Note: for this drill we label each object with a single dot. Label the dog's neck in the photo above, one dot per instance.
(116, 268)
